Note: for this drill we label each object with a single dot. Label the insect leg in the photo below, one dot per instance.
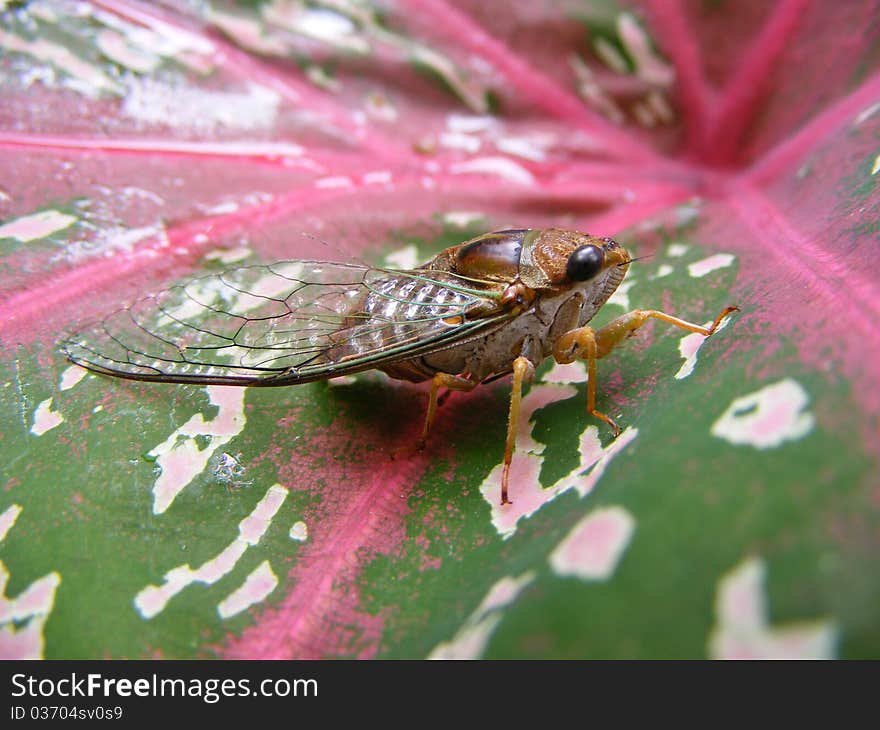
(442, 380)
(523, 372)
(625, 325)
(590, 344)
(583, 342)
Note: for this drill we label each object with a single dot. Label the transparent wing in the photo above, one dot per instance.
(290, 322)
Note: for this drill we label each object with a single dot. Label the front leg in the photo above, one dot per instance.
(590, 344)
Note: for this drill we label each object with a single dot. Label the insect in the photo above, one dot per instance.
(495, 305)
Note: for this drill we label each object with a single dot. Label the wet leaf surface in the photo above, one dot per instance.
(735, 146)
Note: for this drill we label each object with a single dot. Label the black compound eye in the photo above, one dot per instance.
(584, 263)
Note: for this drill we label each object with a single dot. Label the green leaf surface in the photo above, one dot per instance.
(734, 149)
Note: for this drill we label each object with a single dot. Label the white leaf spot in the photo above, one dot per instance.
(153, 599)
(23, 618)
(501, 166)
(45, 419)
(742, 630)
(256, 587)
(768, 417)
(595, 545)
(471, 639)
(690, 345)
(710, 263)
(299, 531)
(179, 456)
(37, 225)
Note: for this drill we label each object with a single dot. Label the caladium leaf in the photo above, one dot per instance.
(734, 146)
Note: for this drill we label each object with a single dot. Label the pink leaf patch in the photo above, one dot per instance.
(731, 147)
(593, 548)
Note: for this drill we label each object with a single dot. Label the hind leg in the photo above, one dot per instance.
(523, 372)
(442, 380)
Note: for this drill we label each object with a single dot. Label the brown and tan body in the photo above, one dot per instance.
(529, 274)
(522, 267)
(498, 304)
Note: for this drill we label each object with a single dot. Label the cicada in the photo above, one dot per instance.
(496, 305)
